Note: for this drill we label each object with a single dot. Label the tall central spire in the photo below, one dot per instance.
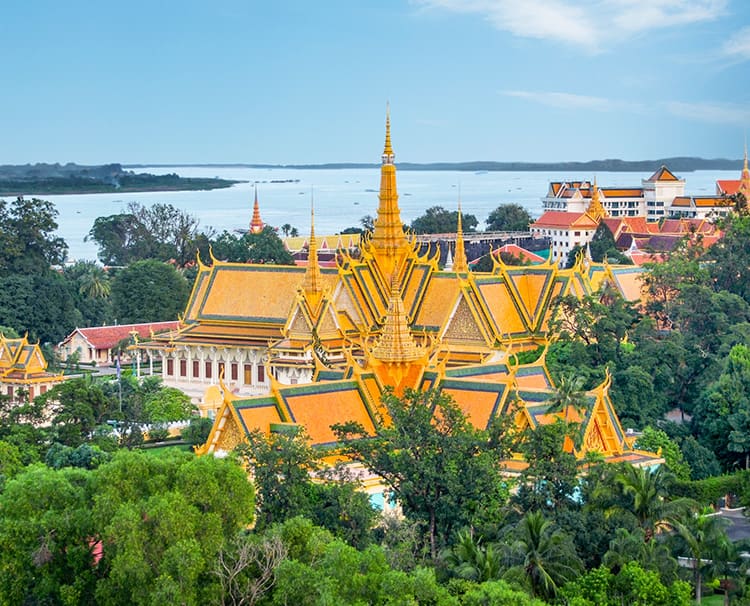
(388, 238)
(312, 283)
(460, 263)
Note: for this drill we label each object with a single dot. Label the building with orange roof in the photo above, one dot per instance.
(285, 346)
(23, 370)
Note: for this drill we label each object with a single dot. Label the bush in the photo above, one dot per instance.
(197, 432)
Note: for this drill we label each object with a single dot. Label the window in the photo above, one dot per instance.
(576, 233)
(43, 389)
(196, 369)
(209, 369)
(261, 373)
(10, 391)
(235, 371)
(31, 392)
(248, 371)
(170, 366)
(183, 368)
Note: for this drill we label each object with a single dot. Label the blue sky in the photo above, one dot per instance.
(307, 81)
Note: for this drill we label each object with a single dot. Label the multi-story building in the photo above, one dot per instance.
(650, 200)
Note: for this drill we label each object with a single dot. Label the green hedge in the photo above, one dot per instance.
(710, 490)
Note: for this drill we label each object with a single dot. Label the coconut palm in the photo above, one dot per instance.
(94, 283)
(470, 559)
(543, 558)
(568, 395)
(649, 502)
(704, 535)
(631, 547)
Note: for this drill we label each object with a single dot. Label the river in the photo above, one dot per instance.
(342, 196)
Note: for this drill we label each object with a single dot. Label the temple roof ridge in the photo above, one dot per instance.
(256, 223)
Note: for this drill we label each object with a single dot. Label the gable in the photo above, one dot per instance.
(462, 326)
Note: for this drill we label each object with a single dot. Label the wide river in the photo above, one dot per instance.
(342, 197)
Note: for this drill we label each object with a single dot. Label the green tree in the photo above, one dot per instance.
(631, 585)
(160, 232)
(40, 304)
(470, 559)
(163, 521)
(148, 291)
(90, 287)
(167, 405)
(654, 440)
(198, 431)
(437, 220)
(509, 217)
(568, 396)
(443, 471)
(45, 538)
(551, 479)
(704, 535)
(263, 247)
(649, 502)
(27, 241)
(543, 558)
(720, 419)
(77, 406)
(729, 258)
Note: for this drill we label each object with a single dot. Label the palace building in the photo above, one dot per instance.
(23, 370)
(281, 346)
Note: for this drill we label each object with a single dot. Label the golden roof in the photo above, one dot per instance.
(595, 210)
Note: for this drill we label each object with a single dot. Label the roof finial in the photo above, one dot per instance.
(312, 281)
(256, 223)
(387, 149)
(595, 210)
(460, 264)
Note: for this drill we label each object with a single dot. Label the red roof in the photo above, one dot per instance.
(560, 218)
(106, 337)
(728, 187)
(519, 253)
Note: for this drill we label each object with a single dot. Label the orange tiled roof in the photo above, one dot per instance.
(622, 192)
(663, 174)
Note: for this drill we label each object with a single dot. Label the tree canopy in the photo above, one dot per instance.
(509, 217)
(148, 291)
(438, 220)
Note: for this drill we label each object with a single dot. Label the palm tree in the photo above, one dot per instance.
(705, 537)
(648, 492)
(469, 559)
(94, 283)
(632, 547)
(544, 558)
(568, 395)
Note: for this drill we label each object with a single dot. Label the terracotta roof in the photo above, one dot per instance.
(106, 337)
(519, 253)
(728, 187)
(560, 218)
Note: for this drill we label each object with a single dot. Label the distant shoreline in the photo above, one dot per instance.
(42, 188)
(677, 164)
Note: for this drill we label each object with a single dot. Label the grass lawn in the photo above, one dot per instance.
(713, 600)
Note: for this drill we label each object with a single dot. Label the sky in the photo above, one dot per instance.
(259, 81)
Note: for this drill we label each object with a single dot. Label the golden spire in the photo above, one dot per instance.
(396, 344)
(388, 237)
(460, 264)
(312, 283)
(256, 223)
(595, 210)
(745, 178)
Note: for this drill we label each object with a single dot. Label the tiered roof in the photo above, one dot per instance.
(389, 318)
(23, 363)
